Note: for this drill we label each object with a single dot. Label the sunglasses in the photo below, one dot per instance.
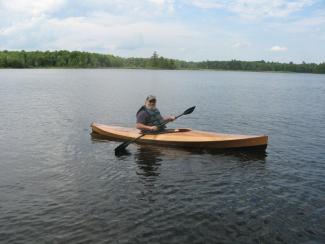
(152, 101)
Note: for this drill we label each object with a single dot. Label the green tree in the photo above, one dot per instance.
(76, 59)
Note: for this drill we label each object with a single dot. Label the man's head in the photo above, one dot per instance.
(151, 102)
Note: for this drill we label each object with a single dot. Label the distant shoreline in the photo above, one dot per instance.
(149, 69)
(86, 60)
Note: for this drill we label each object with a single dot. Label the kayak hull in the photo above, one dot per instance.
(183, 138)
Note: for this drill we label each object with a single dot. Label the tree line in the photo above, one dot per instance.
(76, 59)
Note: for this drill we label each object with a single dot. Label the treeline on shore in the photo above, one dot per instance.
(76, 59)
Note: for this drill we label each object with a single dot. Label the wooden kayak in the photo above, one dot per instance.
(184, 138)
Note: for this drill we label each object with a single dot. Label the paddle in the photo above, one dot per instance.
(123, 146)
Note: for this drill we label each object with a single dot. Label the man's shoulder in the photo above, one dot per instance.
(142, 116)
(142, 113)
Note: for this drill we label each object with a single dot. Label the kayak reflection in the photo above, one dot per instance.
(155, 152)
(148, 160)
(152, 154)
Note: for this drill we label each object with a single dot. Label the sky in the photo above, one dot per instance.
(192, 30)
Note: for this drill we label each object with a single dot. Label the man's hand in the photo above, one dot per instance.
(171, 118)
(153, 128)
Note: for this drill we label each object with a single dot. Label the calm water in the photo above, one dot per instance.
(58, 184)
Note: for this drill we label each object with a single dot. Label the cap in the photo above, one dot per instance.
(151, 97)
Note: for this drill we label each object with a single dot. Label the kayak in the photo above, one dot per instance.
(183, 137)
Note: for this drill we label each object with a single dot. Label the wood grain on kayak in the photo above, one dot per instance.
(183, 137)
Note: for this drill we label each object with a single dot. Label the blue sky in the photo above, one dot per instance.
(272, 30)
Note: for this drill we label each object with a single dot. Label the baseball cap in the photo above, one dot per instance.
(151, 97)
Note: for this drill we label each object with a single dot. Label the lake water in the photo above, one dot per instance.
(58, 184)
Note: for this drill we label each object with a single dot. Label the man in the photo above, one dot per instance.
(149, 117)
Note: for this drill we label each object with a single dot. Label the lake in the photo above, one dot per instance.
(60, 184)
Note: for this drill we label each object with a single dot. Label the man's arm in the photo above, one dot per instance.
(141, 126)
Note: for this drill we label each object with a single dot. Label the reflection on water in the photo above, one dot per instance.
(151, 154)
(148, 159)
(248, 155)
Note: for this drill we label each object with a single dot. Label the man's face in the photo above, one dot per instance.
(151, 104)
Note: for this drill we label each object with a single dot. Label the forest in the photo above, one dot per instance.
(77, 59)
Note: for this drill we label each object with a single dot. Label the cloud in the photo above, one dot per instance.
(95, 25)
(240, 44)
(313, 25)
(207, 4)
(267, 8)
(164, 4)
(30, 8)
(252, 9)
(191, 30)
(158, 2)
(278, 49)
(100, 32)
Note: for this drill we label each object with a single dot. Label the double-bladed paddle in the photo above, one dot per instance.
(123, 146)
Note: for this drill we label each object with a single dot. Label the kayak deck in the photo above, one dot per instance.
(183, 137)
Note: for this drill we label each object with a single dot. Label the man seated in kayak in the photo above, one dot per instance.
(149, 117)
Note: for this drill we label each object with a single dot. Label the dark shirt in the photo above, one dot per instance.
(142, 117)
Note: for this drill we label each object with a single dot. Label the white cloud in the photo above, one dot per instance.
(253, 9)
(30, 8)
(98, 32)
(159, 2)
(138, 27)
(308, 24)
(164, 4)
(240, 44)
(278, 49)
(267, 8)
(95, 25)
(12, 11)
(207, 4)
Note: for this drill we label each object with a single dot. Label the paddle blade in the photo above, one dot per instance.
(189, 110)
(121, 148)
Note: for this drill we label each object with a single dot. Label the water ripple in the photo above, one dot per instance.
(58, 184)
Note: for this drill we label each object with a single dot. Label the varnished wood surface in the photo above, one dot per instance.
(183, 137)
